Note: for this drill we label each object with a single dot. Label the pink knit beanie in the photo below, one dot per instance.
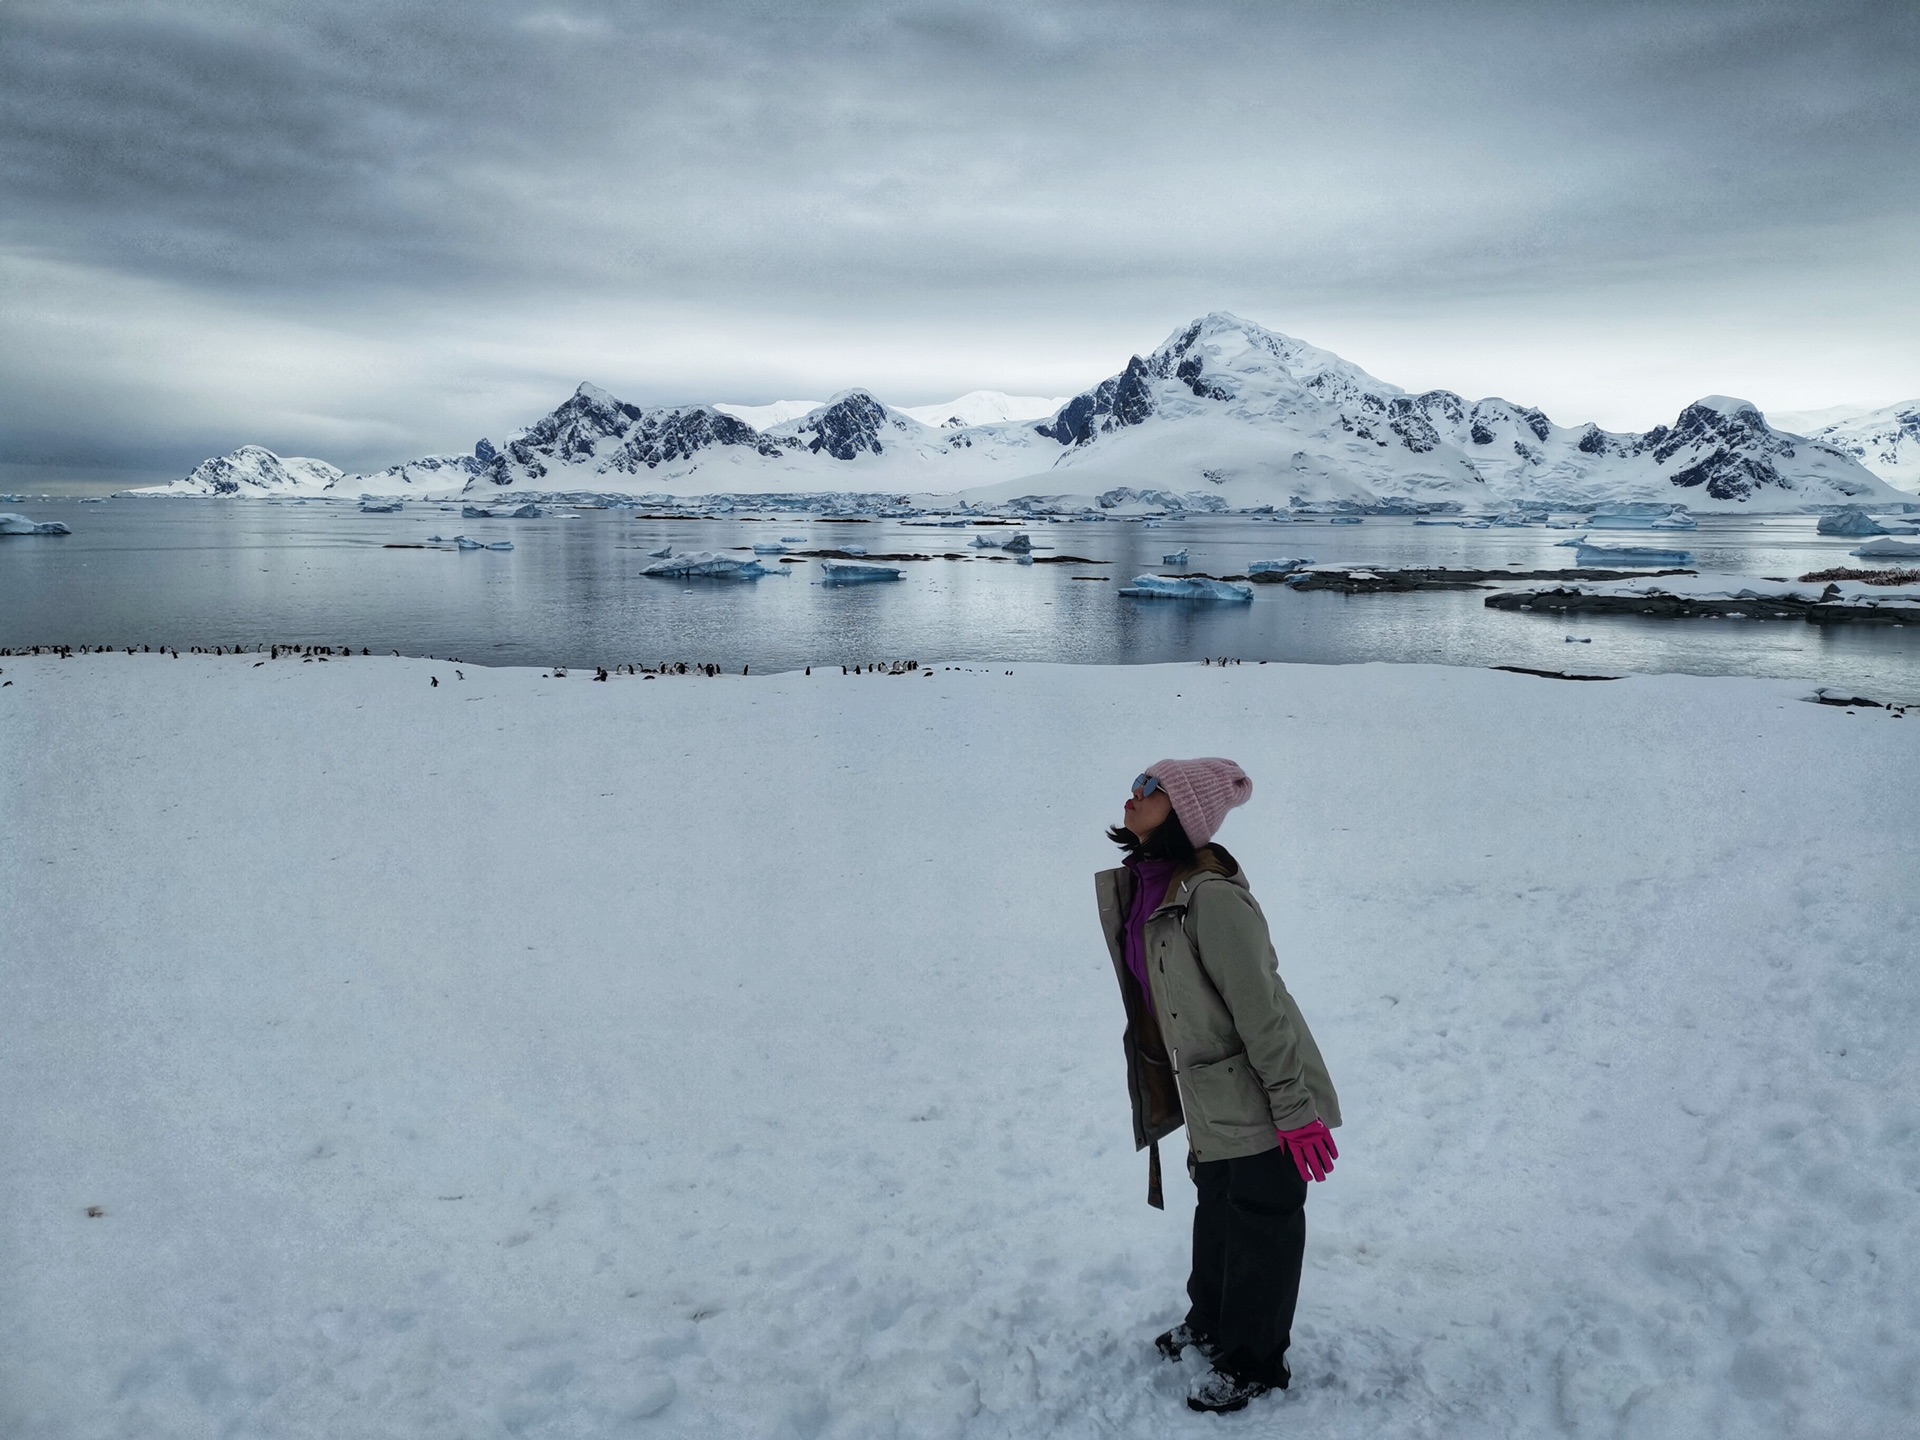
(1202, 792)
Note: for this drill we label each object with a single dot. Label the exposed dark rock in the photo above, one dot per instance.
(850, 426)
(662, 436)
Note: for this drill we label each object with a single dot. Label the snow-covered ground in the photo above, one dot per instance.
(524, 1056)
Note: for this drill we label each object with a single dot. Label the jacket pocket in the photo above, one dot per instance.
(1227, 1096)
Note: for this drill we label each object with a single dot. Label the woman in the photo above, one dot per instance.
(1215, 1042)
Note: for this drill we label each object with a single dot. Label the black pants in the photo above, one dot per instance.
(1249, 1234)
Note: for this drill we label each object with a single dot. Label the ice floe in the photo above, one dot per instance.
(856, 572)
(1590, 553)
(12, 524)
(711, 564)
(1187, 587)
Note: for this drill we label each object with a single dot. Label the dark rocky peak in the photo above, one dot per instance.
(1717, 420)
(847, 426)
(1441, 407)
(1411, 417)
(660, 437)
(1488, 416)
(1722, 445)
(1125, 399)
(582, 420)
(1132, 396)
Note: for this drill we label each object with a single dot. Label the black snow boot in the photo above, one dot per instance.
(1174, 1341)
(1220, 1392)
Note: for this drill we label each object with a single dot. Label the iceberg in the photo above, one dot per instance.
(793, 539)
(983, 542)
(1178, 557)
(1849, 520)
(501, 545)
(1018, 544)
(1888, 550)
(12, 524)
(528, 511)
(1642, 515)
(1590, 554)
(856, 572)
(662, 553)
(1268, 571)
(1344, 520)
(1187, 587)
(853, 549)
(768, 547)
(379, 505)
(708, 563)
(465, 544)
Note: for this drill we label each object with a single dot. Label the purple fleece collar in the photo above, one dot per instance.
(1150, 881)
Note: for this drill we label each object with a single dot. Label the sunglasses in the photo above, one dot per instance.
(1145, 785)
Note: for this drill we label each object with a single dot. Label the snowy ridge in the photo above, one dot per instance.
(984, 407)
(1225, 414)
(1886, 441)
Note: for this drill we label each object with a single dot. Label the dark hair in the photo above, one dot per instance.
(1168, 842)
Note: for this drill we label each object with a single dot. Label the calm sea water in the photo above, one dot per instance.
(190, 572)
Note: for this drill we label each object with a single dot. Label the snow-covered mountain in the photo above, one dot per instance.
(1224, 414)
(984, 407)
(253, 470)
(1258, 417)
(763, 417)
(1886, 441)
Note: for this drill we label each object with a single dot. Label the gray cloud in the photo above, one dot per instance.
(461, 198)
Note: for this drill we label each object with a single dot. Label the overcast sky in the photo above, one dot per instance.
(372, 229)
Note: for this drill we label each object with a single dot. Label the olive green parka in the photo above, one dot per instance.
(1219, 1045)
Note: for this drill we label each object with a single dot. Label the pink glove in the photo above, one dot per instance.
(1313, 1149)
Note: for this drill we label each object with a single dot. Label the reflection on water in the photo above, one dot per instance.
(187, 572)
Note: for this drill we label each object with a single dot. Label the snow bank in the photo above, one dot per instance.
(1187, 587)
(427, 1096)
(13, 524)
